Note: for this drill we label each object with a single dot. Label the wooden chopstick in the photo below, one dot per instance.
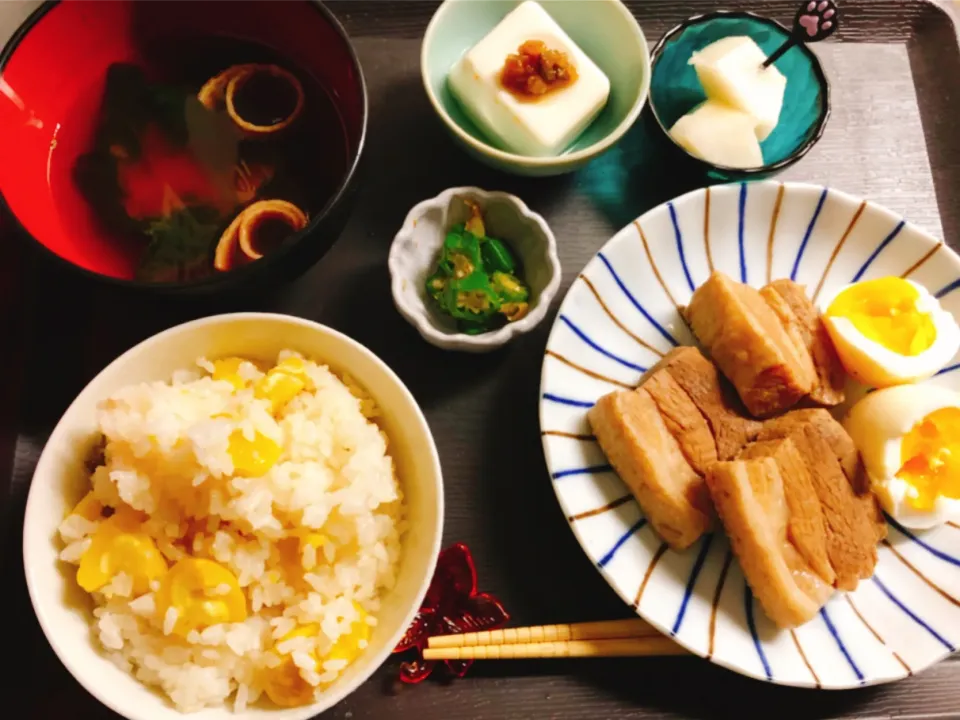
(620, 647)
(602, 630)
(607, 638)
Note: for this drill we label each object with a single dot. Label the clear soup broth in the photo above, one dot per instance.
(204, 158)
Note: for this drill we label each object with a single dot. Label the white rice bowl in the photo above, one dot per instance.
(168, 456)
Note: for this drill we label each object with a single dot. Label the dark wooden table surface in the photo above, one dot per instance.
(896, 78)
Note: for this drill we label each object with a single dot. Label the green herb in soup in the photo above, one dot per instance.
(477, 281)
(187, 143)
(180, 245)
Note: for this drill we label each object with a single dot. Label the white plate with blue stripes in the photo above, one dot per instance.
(621, 315)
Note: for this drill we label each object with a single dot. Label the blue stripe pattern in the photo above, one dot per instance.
(843, 648)
(947, 289)
(873, 256)
(743, 207)
(948, 368)
(912, 615)
(567, 401)
(626, 536)
(636, 304)
(691, 582)
(590, 470)
(751, 623)
(679, 236)
(606, 353)
(903, 616)
(929, 548)
(807, 234)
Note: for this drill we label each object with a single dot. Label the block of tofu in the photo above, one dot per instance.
(731, 71)
(789, 300)
(631, 431)
(712, 395)
(719, 134)
(805, 524)
(748, 343)
(852, 519)
(541, 127)
(750, 499)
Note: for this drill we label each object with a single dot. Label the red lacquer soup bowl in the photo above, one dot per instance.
(53, 78)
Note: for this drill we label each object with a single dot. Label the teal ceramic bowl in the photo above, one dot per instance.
(604, 29)
(675, 89)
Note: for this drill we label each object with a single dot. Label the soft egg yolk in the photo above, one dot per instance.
(930, 458)
(885, 311)
(252, 458)
(117, 546)
(282, 383)
(203, 592)
(229, 369)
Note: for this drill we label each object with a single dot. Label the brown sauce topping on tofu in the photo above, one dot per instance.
(536, 70)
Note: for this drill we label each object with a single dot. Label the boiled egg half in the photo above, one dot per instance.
(890, 331)
(909, 439)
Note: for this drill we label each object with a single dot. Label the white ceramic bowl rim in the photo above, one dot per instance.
(506, 333)
(34, 514)
(584, 153)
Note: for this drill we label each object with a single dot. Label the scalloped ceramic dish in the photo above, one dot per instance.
(416, 249)
(622, 314)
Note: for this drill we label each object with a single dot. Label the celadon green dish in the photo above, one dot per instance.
(604, 29)
(675, 88)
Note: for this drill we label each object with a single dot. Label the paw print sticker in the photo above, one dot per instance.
(816, 20)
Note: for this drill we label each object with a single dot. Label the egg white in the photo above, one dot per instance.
(877, 424)
(894, 495)
(870, 363)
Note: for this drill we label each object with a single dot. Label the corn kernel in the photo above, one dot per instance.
(117, 546)
(292, 364)
(279, 387)
(347, 646)
(252, 458)
(195, 588)
(89, 508)
(229, 369)
(314, 539)
(285, 686)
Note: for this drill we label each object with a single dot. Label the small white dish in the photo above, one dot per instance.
(416, 248)
(64, 610)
